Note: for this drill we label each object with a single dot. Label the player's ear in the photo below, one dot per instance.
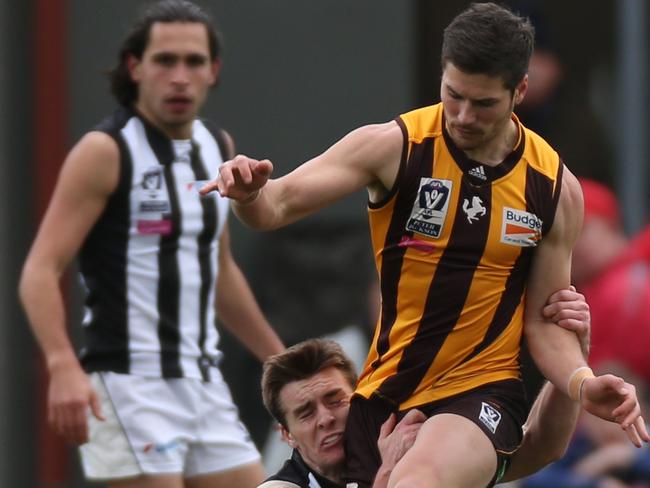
(287, 437)
(133, 65)
(215, 71)
(521, 89)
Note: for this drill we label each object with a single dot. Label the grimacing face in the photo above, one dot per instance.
(174, 76)
(478, 108)
(316, 410)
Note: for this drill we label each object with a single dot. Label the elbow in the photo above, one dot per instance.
(551, 453)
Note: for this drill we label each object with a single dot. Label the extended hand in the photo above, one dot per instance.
(611, 398)
(70, 394)
(568, 309)
(241, 178)
(395, 440)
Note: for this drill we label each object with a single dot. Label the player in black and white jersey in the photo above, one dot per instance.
(146, 401)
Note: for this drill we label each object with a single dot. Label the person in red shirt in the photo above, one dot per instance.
(613, 272)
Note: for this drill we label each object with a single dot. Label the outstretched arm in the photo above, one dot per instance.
(87, 178)
(366, 157)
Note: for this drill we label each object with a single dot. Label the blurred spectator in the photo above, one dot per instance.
(614, 275)
(557, 104)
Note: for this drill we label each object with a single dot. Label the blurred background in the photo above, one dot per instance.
(297, 75)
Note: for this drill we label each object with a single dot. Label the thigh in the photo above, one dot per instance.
(222, 443)
(450, 452)
(134, 440)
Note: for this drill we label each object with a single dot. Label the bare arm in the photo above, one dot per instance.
(87, 178)
(553, 416)
(237, 308)
(366, 157)
(556, 351)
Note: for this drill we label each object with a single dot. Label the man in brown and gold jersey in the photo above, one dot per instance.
(473, 218)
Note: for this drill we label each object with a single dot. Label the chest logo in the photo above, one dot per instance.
(478, 172)
(152, 194)
(475, 211)
(520, 228)
(430, 207)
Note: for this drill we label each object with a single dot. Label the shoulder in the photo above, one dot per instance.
(115, 122)
(95, 148)
(568, 220)
(383, 134)
(540, 155)
(421, 123)
(94, 163)
(571, 192)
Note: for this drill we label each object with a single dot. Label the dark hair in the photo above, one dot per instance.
(123, 87)
(300, 362)
(489, 39)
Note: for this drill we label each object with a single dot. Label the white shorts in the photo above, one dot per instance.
(164, 426)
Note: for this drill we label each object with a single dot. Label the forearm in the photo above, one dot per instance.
(547, 432)
(381, 479)
(556, 352)
(240, 314)
(262, 209)
(42, 300)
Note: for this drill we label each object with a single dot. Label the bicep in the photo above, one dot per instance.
(358, 160)
(551, 265)
(88, 176)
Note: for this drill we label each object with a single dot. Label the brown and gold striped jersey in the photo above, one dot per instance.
(453, 243)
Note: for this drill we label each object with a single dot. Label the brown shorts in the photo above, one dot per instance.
(499, 409)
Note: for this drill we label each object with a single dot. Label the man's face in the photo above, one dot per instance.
(316, 410)
(477, 107)
(174, 75)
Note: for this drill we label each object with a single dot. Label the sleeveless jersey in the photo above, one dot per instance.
(149, 264)
(453, 243)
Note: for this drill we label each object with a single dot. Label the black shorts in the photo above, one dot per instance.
(499, 409)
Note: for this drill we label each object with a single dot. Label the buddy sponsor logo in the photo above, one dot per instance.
(520, 228)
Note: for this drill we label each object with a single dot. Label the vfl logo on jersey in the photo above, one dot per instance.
(475, 211)
(430, 207)
(152, 195)
(490, 417)
(520, 228)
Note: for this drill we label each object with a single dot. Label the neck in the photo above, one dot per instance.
(495, 151)
(332, 473)
(173, 131)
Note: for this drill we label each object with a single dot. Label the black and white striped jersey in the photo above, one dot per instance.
(149, 265)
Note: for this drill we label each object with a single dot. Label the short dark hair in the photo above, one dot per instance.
(299, 362)
(489, 39)
(123, 87)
